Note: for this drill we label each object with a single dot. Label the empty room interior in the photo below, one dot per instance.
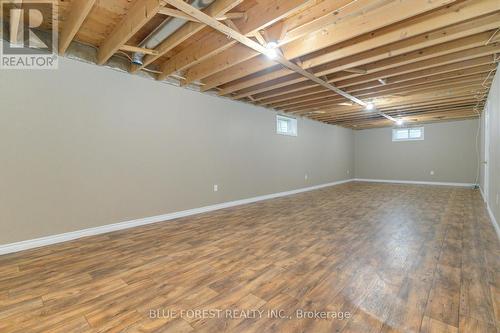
(250, 166)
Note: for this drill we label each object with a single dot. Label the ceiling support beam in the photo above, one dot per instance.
(176, 13)
(264, 14)
(452, 83)
(275, 33)
(134, 49)
(376, 54)
(180, 14)
(138, 15)
(77, 14)
(430, 97)
(331, 36)
(378, 45)
(446, 78)
(190, 10)
(438, 68)
(343, 81)
(217, 9)
(355, 70)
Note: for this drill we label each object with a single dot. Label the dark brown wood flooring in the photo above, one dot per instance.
(384, 257)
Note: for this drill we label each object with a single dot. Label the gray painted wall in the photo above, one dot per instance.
(86, 146)
(448, 150)
(493, 110)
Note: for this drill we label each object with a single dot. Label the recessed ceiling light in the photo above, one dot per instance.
(369, 106)
(272, 52)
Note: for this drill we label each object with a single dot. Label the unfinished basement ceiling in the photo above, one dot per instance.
(415, 60)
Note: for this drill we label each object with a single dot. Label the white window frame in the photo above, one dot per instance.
(395, 130)
(293, 125)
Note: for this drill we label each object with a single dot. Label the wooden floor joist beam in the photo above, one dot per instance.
(330, 59)
(374, 62)
(190, 10)
(260, 16)
(393, 88)
(137, 16)
(436, 96)
(401, 90)
(441, 64)
(298, 25)
(78, 12)
(314, 94)
(266, 97)
(460, 12)
(376, 46)
(379, 100)
(216, 9)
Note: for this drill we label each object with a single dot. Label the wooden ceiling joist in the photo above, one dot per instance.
(469, 87)
(370, 55)
(79, 11)
(373, 87)
(138, 15)
(421, 60)
(314, 93)
(176, 13)
(411, 105)
(475, 81)
(188, 9)
(265, 97)
(179, 14)
(355, 42)
(438, 96)
(370, 93)
(461, 59)
(461, 55)
(465, 109)
(216, 9)
(259, 17)
(313, 18)
(469, 91)
(133, 49)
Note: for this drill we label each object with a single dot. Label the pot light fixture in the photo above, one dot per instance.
(272, 52)
(369, 106)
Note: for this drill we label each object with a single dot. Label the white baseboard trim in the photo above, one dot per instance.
(493, 220)
(482, 194)
(490, 213)
(43, 241)
(413, 182)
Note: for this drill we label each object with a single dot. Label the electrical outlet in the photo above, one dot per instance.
(306, 176)
(216, 188)
(432, 172)
(348, 171)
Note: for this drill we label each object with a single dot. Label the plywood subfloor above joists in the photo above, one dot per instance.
(417, 60)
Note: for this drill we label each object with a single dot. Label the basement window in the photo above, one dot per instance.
(286, 125)
(408, 134)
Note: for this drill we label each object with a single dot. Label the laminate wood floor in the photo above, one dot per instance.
(385, 258)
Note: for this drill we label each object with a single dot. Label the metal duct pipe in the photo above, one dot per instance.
(168, 27)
